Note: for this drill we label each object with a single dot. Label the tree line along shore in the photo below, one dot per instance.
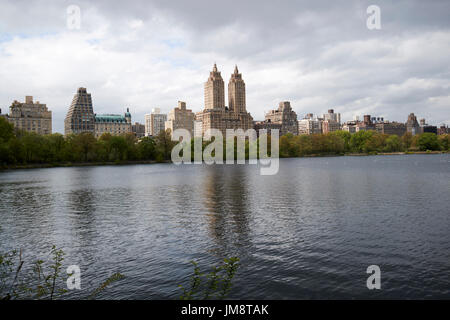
(20, 149)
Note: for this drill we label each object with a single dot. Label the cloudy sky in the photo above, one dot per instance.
(146, 54)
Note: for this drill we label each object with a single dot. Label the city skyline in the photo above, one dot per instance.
(255, 123)
(148, 55)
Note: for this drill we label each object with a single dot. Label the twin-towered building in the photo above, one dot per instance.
(216, 115)
(81, 118)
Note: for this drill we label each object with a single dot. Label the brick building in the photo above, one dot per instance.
(30, 116)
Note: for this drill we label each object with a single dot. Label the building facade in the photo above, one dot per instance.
(377, 120)
(366, 124)
(412, 126)
(429, 128)
(80, 117)
(443, 129)
(310, 125)
(350, 126)
(198, 128)
(215, 91)
(266, 125)
(138, 129)
(425, 127)
(396, 128)
(155, 122)
(114, 124)
(216, 115)
(180, 118)
(236, 93)
(30, 116)
(331, 116)
(285, 116)
(330, 126)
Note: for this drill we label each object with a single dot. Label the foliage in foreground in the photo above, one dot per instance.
(214, 285)
(46, 280)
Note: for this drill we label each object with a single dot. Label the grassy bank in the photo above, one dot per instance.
(121, 163)
(78, 164)
(365, 154)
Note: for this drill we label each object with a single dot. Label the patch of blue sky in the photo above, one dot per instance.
(7, 36)
(93, 41)
(174, 43)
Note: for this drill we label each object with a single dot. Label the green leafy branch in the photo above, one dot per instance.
(215, 285)
(45, 281)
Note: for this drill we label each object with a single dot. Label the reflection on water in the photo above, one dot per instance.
(225, 197)
(308, 232)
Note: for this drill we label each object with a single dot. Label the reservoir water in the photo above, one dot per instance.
(309, 232)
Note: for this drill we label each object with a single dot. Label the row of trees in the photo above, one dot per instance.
(20, 147)
(341, 142)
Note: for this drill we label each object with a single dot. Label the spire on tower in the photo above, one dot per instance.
(215, 67)
(236, 71)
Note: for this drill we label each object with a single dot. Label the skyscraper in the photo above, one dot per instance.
(80, 117)
(216, 115)
(236, 92)
(215, 91)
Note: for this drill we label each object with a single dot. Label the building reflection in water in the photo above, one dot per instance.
(80, 213)
(226, 197)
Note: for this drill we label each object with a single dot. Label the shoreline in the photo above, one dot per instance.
(122, 163)
(77, 164)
